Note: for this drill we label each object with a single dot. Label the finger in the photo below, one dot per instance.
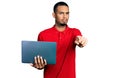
(42, 63)
(35, 62)
(45, 62)
(39, 61)
(80, 39)
(85, 42)
(77, 38)
(76, 42)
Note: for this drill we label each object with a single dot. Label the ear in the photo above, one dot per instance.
(53, 14)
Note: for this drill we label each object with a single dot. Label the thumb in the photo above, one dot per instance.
(76, 42)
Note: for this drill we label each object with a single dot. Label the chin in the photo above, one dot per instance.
(63, 24)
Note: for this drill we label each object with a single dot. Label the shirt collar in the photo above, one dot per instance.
(67, 27)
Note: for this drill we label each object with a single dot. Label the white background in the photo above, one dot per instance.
(98, 20)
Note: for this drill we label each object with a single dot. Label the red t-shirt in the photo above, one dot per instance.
(65, 56)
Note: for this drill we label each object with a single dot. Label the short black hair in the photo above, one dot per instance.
(61, 3)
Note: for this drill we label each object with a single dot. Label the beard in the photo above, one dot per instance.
(63, 24)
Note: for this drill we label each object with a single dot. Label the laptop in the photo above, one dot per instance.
(30, 49)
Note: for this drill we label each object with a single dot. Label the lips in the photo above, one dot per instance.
(64, 20)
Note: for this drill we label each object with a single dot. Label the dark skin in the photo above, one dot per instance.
(39, 62)
(61, 18)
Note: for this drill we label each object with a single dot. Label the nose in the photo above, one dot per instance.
(65, 15)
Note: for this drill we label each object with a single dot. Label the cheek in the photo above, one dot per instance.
(58, 18)
(67, 16)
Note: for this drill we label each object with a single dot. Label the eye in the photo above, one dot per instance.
(61, 13)
(67, 13)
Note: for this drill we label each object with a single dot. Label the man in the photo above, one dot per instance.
(66, 38)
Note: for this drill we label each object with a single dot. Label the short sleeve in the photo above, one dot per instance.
(40, 38)
(77, 32)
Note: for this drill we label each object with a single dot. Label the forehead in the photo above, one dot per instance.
(62, 9)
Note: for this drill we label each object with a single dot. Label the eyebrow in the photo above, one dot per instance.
(64, 12)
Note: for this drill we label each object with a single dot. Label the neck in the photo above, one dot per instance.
(60, 28)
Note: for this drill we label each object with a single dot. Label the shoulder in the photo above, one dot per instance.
(45, 31)
(75, 31)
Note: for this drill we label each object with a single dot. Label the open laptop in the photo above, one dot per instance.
(30, 49)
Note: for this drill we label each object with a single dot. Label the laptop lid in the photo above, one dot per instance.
(30, 49)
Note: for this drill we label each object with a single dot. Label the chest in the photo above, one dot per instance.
(60, 38)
